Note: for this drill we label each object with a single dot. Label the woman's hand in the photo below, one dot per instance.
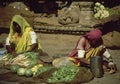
(112, 67)
(33, 47)
(14, 54)
(8, 47)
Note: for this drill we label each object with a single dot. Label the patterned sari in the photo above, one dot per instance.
(93, 50)
(23, 43)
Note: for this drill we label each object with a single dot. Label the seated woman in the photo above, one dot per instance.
(91, 45)
(22, 37)
(22, 45)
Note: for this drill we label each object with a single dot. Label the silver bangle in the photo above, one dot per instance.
(110, 60)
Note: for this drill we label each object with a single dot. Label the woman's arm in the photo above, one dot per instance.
(111, 64)
(8, 47)
(7, 44)
(33, 47)
(9, 50)
(81, 43)
(81, 47)
(33, 41)
(107, 55)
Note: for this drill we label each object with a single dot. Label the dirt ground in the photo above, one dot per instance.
(61, 45)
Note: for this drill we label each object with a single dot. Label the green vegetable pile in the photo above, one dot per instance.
(64, 74)
(34, 71)
(28, 59)
(43, 69)
(100, 11)
(14, 68)
(20, 71)
(32, 58)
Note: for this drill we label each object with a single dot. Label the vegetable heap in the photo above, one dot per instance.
(5, 60)
(30, 72)
(41, 70)
(28, 59)
(25, 64)
(64, 74)
(100, 11)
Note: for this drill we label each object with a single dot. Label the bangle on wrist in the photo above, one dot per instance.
(110, 63)
(110, 60)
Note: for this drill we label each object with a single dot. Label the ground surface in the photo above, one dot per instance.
(61, 45)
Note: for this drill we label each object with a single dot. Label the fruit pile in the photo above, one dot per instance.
(28, 72)
(100, 11)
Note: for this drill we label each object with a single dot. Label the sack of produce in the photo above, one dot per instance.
(63, 61)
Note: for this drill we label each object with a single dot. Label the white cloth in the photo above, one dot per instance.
(81, 53)
(7, 42)
(106, 54)
(111, 64)
(32, 35)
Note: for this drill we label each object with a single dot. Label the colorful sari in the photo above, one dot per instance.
(23, 43)
(93, 50)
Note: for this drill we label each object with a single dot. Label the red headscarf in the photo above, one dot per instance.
(95, 35)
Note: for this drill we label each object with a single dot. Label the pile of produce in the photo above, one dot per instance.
(6, 60)
(28, 59)
(37, 70)
(64, 74)
(26, 65)
(28, 72)
(100, 11)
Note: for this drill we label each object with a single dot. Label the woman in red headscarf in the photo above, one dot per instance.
(90, 45)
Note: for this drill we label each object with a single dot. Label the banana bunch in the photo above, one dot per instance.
(100, 11)
(35, 68)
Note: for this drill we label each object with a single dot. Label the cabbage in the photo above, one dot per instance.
(14, 68)
(21, 71)
(28, 73)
